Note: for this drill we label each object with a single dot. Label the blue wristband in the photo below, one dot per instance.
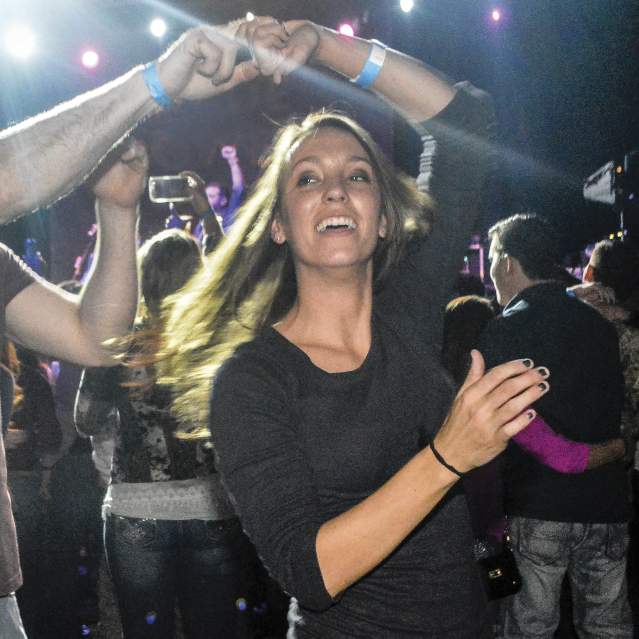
(152, 81)
(373, 66)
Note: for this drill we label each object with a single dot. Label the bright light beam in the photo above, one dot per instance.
(20, 41)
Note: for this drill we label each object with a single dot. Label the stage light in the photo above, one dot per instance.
(250, 16)
(157, 27)
(90, 59)
(406, 5)
(20, 41)
(346, 29)
(495, 15)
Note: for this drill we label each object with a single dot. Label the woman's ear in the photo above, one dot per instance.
(277, 231)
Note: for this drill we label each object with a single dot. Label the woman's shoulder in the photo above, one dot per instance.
(267, 359)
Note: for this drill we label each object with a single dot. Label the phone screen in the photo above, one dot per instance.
(169, 188)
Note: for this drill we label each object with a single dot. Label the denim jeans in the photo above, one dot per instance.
(594, 558)
(10, 623)
(196, 565)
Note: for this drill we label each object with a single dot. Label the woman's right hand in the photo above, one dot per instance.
(489, 409)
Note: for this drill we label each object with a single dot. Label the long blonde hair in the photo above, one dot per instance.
(248, 282)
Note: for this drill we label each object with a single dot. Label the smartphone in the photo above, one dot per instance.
(169, 188)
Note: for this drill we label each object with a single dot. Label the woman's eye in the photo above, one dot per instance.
(360, 177)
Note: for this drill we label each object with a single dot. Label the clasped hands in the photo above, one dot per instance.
(203, 62)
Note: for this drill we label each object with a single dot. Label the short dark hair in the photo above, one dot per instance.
(616, 264)
(532, 241)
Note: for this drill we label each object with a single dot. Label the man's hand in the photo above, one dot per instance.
(594, 293)
(202, 63)
(121, 183)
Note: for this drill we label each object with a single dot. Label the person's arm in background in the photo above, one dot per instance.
(229, 153)
(565, 455)
(46, 156)
(77, 328)
(211, 227)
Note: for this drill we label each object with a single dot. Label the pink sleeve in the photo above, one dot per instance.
(551, 449)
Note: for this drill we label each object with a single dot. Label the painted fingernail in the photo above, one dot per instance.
(530, 414)
(543, 386)
(543, 371)
(527, 363)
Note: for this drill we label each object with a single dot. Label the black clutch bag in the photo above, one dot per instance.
(500, 573)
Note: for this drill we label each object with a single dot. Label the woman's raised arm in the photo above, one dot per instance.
(411, 87)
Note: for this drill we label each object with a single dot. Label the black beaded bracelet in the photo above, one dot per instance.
(443, 462)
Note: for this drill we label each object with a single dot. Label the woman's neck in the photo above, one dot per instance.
(331, 319)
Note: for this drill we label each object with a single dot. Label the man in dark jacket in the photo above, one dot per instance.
(560, 524)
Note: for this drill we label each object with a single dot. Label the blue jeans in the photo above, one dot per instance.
(198, 565)
(594, 558)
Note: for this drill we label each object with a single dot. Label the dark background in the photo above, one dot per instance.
(563, 74)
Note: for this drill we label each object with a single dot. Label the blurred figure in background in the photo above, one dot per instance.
(171, 535)
(220, 201)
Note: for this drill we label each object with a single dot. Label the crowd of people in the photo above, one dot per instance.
(294, 413)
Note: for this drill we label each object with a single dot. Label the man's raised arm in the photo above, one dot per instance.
(48, 155)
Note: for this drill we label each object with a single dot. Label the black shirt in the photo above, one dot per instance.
(584, 403)
(298, 446)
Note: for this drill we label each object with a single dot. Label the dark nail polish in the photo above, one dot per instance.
(543, 371)
(543, 385)
(530, 414)
(527, 362)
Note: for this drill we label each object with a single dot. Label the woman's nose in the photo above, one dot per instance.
(335, 191)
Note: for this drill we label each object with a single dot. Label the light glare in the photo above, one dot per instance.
(406, 5)
(90, 59)
(157, 27)
(496, 15)
(250, 16)
(20, 41)
(346, 29)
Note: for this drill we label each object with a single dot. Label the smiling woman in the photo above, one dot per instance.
(315, 325)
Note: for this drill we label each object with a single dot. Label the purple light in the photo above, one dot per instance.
(496, 15)
(90, 59)
(346, 29)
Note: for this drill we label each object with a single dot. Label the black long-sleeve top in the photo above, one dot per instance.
(298, 446)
